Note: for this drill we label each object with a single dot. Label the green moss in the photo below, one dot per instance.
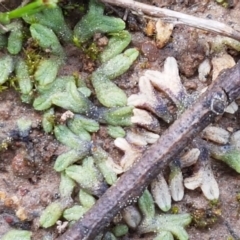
(92, 51)
(224, 3)
(205, 218)
(4, 144)
(175, 209)
(32, 59)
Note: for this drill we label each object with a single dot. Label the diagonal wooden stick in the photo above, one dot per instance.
(177, 17)
(130, 186)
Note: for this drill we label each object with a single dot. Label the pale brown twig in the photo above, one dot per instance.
(177, 17)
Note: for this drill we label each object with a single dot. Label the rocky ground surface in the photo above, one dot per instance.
(28, 186)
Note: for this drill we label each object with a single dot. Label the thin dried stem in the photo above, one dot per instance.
(177, 17)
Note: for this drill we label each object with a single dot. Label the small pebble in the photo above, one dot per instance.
(22, 166)
(190, 85)
(150, 50)
(216, 134)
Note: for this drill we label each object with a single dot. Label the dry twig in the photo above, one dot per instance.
(177, 17)
(130, 186)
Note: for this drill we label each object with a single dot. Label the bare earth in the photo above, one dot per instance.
(27, 187)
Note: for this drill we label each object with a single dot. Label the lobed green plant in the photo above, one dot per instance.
(17, 234)
(83, 165)
(51, 214)
(95, 22)
(166, 225)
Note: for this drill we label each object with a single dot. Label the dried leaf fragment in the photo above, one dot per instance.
(204, 178)
(146, 120)
(176, 181)
(204, 70)
(216, 134)
(190, 158)
(141, 137)
(163, 33)
(235, 140)
(161, 193)
(148, 98)
(231, 108)
(131, 216)
(131, 153)
(220, 63)
(169, 82)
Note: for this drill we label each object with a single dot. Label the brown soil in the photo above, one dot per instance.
(28, 182)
